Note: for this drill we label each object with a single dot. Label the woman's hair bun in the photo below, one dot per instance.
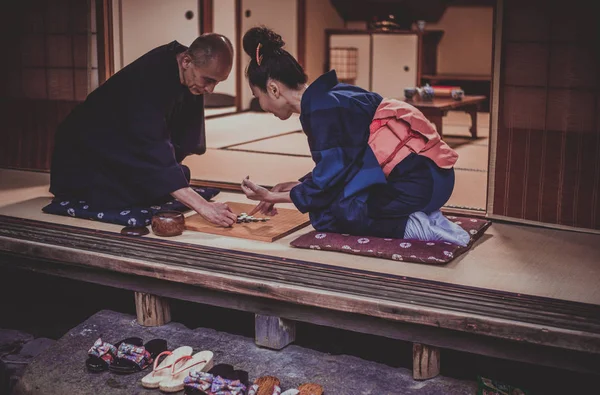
(270, 41)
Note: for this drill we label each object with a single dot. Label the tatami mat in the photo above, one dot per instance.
(458, 124)
(209, 112)
(520, 259)
(232, 166)
(267, 169)
(459, 141)
(456, 133)
(462, 118)
(244, 127)
(473, 157)
(470, 190)
(289, 144)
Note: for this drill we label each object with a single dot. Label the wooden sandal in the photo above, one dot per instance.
(266, 385)
(201, 361)
(160, 372)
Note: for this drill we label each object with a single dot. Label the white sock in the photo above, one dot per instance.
(435, 227)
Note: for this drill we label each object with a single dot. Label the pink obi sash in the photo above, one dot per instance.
(398, 129)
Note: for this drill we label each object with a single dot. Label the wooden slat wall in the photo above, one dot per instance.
(548, 143)
(45, 77)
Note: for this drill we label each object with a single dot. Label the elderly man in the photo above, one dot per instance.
(124, 145)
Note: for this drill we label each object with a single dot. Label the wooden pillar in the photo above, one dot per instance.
(426, 361)
(273, 332)
(152, 310)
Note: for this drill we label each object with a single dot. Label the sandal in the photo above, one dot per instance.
(132, 359)
(266, 385)
(222, 379)
(160, 372)
(201, 361)
(306, 389)
(101, 355)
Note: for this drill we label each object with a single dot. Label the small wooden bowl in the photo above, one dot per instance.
(168, 223)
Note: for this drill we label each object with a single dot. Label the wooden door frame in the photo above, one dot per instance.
(238, 55)
(494, 105)
(301, 33)
(300, 42)
(105, 47)
(206, 20)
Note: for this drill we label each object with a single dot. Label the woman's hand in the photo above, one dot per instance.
(254, 191)
(268, 208)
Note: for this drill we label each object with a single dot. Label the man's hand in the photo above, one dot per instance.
(218, 214)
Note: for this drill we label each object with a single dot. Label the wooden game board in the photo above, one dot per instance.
(280, 225)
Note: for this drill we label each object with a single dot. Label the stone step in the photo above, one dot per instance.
(61, 368)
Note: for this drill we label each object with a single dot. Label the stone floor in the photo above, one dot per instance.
(60, 368)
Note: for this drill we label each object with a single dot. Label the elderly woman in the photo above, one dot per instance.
(381, 168)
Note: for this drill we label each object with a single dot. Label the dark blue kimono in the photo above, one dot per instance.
(347, 191)
(123, 146)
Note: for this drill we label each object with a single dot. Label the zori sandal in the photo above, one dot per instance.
(162, 371)
(102, 354)
(201, 361)
(266, 385)
(306, 389)
(203, 383)
(132, 359)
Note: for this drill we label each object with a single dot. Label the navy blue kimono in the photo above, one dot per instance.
(347, 191)
(123, 145)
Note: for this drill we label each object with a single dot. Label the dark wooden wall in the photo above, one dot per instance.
(548, 151)
(44, 75)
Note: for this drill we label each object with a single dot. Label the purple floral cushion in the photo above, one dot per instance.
(436, 252)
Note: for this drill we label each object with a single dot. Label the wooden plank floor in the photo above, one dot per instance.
(528, 319)
(518, 259)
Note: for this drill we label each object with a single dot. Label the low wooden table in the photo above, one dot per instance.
(435, 109)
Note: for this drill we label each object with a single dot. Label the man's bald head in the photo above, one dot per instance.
(211, 46)
(205, 63)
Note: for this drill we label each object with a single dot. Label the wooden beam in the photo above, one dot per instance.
(104, 24)
(432, 336)
(152, 310)
(273, 332)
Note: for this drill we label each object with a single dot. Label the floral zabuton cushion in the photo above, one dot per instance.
(436, 252)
